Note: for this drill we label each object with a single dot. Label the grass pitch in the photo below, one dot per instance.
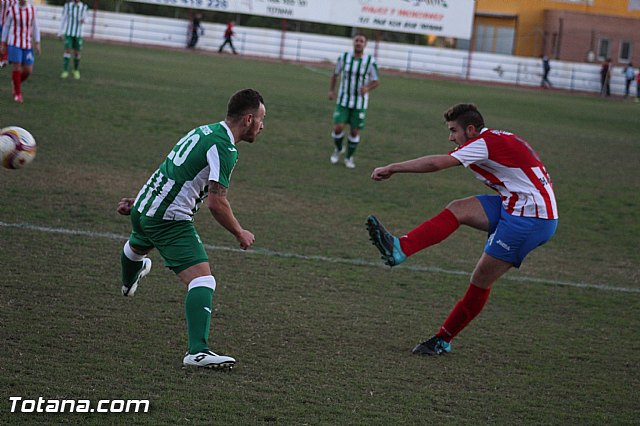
(322, 332)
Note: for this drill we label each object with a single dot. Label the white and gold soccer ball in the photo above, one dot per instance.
(17, 147)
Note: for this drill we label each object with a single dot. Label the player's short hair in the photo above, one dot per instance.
(359, 34)
(246, 101)
(465, 114)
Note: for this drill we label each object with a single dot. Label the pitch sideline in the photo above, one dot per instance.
(326, 259)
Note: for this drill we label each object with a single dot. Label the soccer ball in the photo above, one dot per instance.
(17, 147)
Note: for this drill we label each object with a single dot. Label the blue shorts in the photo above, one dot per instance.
(512, 238)
(20, 56)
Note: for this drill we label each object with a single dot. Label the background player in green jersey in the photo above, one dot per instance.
(71, 23)
(197, 169)
(358, 76)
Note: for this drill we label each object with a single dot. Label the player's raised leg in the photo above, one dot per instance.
(135, 266)
(467, 211)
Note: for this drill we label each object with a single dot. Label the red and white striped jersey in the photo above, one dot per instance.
(507, 163)
(20, 26)
(4, 7)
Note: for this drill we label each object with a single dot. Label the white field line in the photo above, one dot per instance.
(323, 71)
(325, 259)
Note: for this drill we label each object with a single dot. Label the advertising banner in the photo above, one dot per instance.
(446, 18)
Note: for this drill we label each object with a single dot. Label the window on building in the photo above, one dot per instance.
(625, 51)
(494, 39)
(484, 38)
(603, 49)
(504, 40)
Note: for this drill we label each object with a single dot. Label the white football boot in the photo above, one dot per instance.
(349, 163)
(335, 157)
(208, 359)
(146, 268)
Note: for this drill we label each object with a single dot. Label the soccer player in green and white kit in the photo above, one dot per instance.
(358, 76)
(73, 14)
(197, 169)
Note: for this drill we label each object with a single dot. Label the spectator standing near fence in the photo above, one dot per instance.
(196, 30)
(71, 25)
(358, 75)
(20, 34)
(629, 76)
(4, 7)
(546, 68)
(605, 78)
(228, 35)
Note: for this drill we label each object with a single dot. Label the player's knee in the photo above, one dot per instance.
(133, 253)
(465, 209)
(458, 208)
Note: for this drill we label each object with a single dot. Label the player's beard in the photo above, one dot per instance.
(251, 135)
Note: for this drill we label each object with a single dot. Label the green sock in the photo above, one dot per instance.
(197, 305)
(65, 63)
(338, 143)
(130, 269)
(76, 63)
(351, 148)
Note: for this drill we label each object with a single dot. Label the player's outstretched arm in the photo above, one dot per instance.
(426, 164)
(220, 208)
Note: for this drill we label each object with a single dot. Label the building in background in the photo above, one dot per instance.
(568, 30)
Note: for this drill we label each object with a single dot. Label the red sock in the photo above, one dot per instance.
(464, 311)
(15, 76)
(25, 75)
(430, 232)
(5, 56)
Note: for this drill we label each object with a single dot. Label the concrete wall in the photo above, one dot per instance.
(291, 46)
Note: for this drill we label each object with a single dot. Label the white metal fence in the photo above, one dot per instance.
(293, 46)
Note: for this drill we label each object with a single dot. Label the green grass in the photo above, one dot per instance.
(317, 342)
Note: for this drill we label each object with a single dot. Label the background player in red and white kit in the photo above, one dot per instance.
(4, 6)
(522, 217)
(20, 33)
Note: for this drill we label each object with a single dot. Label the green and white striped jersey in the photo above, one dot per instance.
(354, 73)
(180, 185)
(73, 15)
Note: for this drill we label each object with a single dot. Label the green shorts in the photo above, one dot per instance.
(354, 116)
(74, 43)
(176, 240)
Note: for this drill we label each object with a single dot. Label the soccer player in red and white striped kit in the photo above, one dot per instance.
(20, 33)
(4, 6)
(522, 216)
